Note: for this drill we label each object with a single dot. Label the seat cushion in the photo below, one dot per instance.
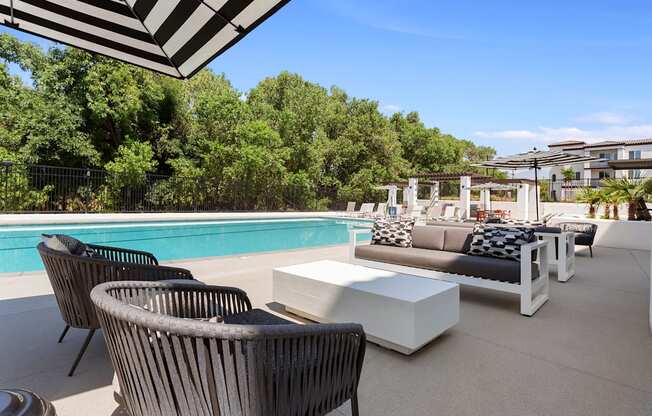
(424, 236)
(583, 239)
(458, 239)
(445, 261)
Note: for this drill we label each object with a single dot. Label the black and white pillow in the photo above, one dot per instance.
(500, 242)
(69, 245)
(393, 233)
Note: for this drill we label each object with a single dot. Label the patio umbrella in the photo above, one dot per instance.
(537, 159)
(174, 37)
(492, 186)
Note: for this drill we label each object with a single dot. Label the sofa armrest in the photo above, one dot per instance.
(541, 248)
(353, 240)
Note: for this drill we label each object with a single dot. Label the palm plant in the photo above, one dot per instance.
(628, 191)
(606, 200)
(592, 197)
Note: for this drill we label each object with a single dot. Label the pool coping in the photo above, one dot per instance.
(81, 218)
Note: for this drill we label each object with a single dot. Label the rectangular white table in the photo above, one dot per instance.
(398, 311)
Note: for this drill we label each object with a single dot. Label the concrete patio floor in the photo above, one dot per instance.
(588, 351)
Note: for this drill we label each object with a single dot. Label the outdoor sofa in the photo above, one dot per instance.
(584, 233)
(440, 252)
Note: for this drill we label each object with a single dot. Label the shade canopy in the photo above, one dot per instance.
(538, 159)
(174, 37)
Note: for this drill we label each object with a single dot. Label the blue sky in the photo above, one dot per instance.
(510, 74)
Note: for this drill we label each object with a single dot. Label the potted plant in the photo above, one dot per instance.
(629, 192)
(592, 197)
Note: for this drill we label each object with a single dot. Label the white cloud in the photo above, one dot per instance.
(545, 135)
(390, 108)
(603, 117)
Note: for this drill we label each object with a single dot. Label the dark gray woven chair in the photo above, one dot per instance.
(252, 364)
(584, 233)
(73, 276)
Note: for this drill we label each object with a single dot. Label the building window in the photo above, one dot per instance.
(634, 174)
(608, 156)
(577, 176)
(554, 177)
(635, 154)
(603, 175)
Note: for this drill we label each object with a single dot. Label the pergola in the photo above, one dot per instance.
(526, 190)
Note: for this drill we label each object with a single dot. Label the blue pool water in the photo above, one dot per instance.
(178, 240)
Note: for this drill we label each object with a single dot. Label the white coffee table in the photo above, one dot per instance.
(398, 311)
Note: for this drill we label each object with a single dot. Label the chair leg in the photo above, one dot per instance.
(81, 352)
(354, 405)
(63, 334)
(591, 250)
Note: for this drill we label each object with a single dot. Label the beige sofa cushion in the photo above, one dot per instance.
(424, 236)
(458, 239)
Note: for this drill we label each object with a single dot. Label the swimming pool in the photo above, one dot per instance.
(180, 239)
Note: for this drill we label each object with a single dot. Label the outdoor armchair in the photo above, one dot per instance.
(73, 276)
(170, 361)
(584, 233)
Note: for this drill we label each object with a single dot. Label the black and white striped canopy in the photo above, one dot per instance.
(537, 159)
(174, 37)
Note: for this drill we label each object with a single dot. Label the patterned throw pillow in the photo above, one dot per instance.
(500, 242)
(393, 233)
(64, 243)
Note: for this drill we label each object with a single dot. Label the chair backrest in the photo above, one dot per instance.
(382, 208)
(580, 227)
(350, 207)
(367, 208)
(434, 212)
(73, 277)
(449, 211)
(189, 367)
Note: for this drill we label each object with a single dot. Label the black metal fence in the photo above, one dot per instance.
(38, 188)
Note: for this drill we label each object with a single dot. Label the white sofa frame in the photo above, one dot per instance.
(533, 292)
(565, 258)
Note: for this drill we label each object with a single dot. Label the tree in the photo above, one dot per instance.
(591, 197)
(629, 192)
(568, 174)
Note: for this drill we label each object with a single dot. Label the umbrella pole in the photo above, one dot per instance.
(536, 187)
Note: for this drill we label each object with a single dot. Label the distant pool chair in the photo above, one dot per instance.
(73, 276)
(170, 361)
(584, 233)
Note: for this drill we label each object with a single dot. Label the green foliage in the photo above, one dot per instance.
(285, 144)
(568, 174)
(592, 197)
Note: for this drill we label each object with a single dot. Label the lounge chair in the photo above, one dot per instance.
(366, 209)
(170, 361)
(72, 277)
(381, 210)
(350, 209)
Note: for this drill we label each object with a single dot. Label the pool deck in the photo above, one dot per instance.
(588, 351)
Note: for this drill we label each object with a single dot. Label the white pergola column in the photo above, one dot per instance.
(485, 199)
(434, 194)
(465, 197)
(523, 200)
(412, 206)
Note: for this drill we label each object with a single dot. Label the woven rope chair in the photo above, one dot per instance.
(169, 365)
(72, 278)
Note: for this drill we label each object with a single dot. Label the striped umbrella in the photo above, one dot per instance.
(174, 37)
(537, 159)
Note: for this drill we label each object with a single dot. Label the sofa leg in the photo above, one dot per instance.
(591, 250)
